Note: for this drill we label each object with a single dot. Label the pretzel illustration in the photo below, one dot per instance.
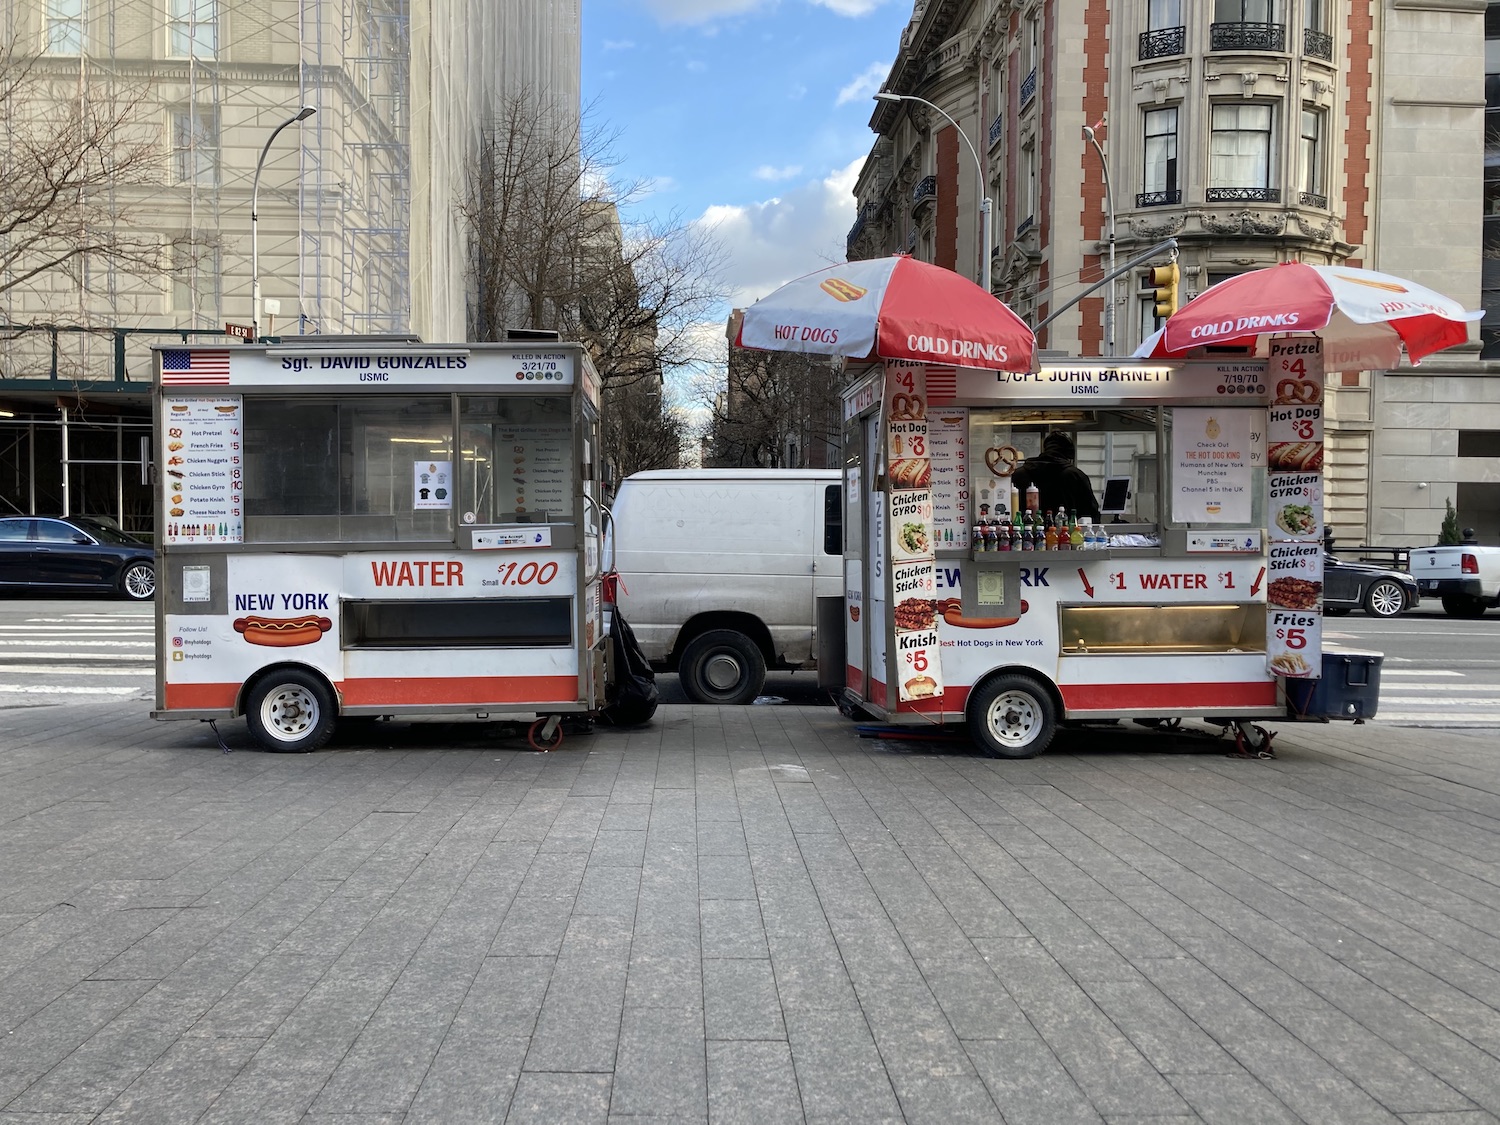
(1292, 391)
(907, 408)
(1002, 461)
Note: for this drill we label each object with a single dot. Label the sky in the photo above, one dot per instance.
(750, 116)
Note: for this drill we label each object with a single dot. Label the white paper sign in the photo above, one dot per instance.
(433, 484)
(1211, 468)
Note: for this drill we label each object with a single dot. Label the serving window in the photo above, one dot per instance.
(326, 470)
(516, 461)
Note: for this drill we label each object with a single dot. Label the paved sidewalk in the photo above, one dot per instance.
(744, 914)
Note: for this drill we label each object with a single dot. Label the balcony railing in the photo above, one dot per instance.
(1025, 225)
(1247, 37)
(911, 240)
(1158, 198)
(1162, 43)
(1242, 195)
(926, 189)
(1317, 44)
(1028, 88)
(859, 226)
(1313, 199)
(997, 127)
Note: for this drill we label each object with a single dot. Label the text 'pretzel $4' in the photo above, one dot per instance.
(1002, 461)
(1292, 392)
(907, 408)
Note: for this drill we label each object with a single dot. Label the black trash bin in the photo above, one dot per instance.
(1349, 688)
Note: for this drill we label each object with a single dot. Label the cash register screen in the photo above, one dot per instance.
(1116, 495)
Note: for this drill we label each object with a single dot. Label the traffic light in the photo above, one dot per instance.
(1164, 279)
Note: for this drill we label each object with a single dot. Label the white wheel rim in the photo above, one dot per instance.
(140, 582)
(289, 712)
(1386, 600)
(1014, 718)
(721, 671)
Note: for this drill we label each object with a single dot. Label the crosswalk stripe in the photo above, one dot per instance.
(74, 670)
(8, 642)
(42, 657)
(1419, 672)
(1441, 718)
(46, 689)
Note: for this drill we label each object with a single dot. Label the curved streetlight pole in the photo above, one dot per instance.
(301, 115)
(984, 199)
(1109, 207)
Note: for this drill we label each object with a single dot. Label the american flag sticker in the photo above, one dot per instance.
(942, 384)
(181, 366)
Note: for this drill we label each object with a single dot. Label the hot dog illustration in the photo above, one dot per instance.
(282, 632)
(953, 612)
(841, 290)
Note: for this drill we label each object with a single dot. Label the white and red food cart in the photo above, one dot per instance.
(1198, 596)
(377, 528)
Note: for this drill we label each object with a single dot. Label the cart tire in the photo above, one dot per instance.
(138, 582)
(1463, 605)
(722, 666)
(534, 736)
(1385, 599)
(290, 711)
(1011, 716)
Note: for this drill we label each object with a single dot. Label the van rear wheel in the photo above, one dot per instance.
(722, 666)
(1463, 605)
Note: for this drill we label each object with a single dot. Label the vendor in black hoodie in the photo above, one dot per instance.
(1059, 482)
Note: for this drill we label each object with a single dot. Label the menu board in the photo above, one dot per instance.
(533, 477)
(1211, 468)
(913, 535)
(202, 482)
(1294, 509)
(948, 439)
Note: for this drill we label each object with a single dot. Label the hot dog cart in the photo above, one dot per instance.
(377, 528)
(1196, 594)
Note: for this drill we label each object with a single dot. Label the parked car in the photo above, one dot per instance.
(1466, 576)
(43, 553)
(1377, 590)
(721, 570)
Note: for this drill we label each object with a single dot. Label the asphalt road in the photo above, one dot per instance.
(1437, 671)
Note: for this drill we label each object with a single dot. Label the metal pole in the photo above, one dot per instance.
(301, 115)
(1109, 208)
(983, 196)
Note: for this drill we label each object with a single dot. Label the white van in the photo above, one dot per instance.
(720, 569)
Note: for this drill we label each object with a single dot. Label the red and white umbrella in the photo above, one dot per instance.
(1363, 317)
(890, 308)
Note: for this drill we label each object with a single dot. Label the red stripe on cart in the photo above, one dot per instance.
(1166, 699)
(459, 690)
(201, 697)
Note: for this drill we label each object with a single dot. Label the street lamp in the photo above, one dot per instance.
(301, 115)
(984, 199)
(1109, 207)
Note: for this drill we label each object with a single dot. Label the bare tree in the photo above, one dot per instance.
(643, 429)
(776, 410)
(550, 250)
(72, 148)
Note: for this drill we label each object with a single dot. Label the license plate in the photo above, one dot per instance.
(1429, 584)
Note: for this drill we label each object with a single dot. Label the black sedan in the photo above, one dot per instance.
(44, 553)
(1378, 591)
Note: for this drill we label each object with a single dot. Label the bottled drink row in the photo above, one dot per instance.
(1034, 531)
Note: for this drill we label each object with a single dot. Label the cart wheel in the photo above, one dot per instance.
(290, 711)
(1251, 741)
(1011, 717)
(545, 735)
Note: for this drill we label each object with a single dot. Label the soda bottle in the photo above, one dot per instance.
(1075, 535)
(1049, 533)
(1003, 535)
(1015, 536)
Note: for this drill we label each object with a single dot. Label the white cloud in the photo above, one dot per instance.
(853, 8)
(769, 243)
(704, 11)
(865, 85)
(767, 172)
(697, 66)
(619, 44)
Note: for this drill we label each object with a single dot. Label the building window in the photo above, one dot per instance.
(1159, 163)
(1240, 153)
(193, 28)
(1246, 25)
(1165, 33)
(1026, 188)
(1310, 154)
(66, 20)
(1031, 54)
(1244, 11)
(195, 146)
(195, 280)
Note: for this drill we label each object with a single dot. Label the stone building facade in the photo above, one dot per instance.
(1254, 132)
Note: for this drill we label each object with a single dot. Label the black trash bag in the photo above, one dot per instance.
(632, 696)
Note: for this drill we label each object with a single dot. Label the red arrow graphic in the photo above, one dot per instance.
(1255, 586)
(1084, 578)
